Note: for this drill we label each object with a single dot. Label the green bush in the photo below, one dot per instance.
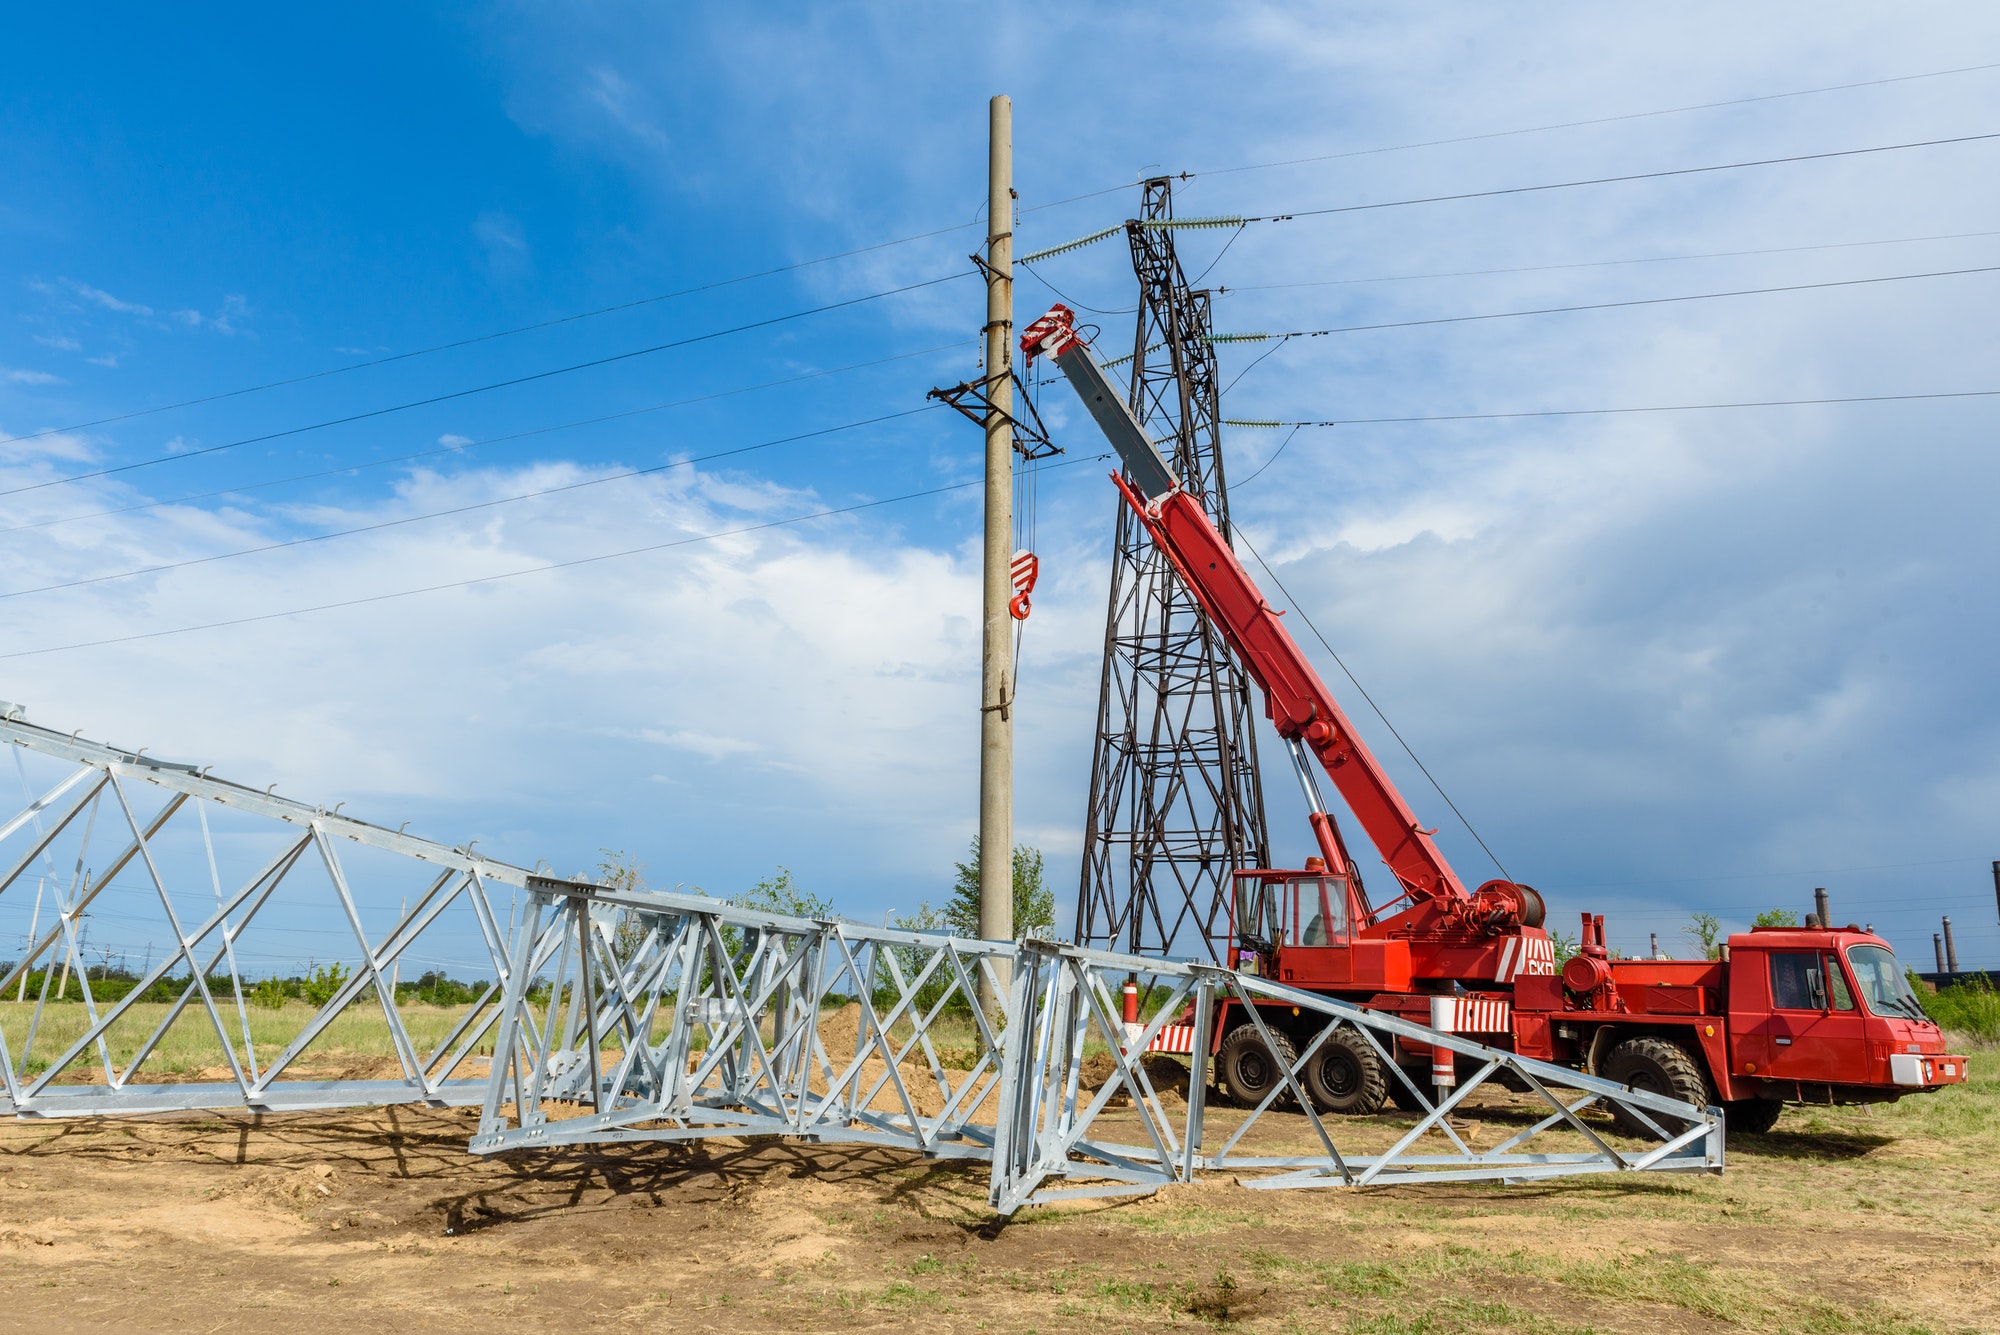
(320, 984)
(271, 994)
(1967, 1008)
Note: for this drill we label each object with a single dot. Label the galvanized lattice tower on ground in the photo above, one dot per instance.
(1175, 802)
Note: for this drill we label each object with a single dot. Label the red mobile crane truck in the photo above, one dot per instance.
(1786, 1015)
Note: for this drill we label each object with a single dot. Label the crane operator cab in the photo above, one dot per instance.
(1305, 928)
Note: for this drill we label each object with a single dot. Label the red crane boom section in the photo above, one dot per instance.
(1296, 700)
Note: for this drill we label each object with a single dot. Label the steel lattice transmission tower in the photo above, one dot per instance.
(1175, 801)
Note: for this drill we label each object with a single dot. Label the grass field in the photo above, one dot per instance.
(1882, 1221)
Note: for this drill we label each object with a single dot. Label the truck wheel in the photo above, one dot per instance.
(1247, 1069)
(1753, 1116)
(1658, 1066)
(1345, 1076)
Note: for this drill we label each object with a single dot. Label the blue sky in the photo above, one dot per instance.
(1664, 661)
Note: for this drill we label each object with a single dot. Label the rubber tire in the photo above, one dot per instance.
(1658, 1066)
(1753, 1116)
(1245, 1069)
(1400, 1095)
(1345, 1076)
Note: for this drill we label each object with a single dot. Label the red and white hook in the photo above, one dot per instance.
(1025, 568)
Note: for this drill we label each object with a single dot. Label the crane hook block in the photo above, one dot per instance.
(1025, 568)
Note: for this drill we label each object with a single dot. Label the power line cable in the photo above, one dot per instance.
(1604, 264)
(543, 324)
(1598, 306)
(945, 231)
(1631, 176)
(1265, 566)
(1595, 120)
(403, 520)
(464, 446)
(1606, 412)
(498, 384)
(1237, 220)
(528, 570)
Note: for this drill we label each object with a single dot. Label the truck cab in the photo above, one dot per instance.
(1827, 1016)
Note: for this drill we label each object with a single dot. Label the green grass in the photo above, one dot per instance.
(190, 1045)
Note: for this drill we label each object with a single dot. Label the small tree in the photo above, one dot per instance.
(620, 872)
(1705, 931)
(1775, 918)
(1034, 902)
(1564, 946)
(778, 893)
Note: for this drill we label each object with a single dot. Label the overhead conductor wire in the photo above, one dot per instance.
(526, 570)
(483, 389)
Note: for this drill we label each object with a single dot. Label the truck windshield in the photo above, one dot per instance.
(1882, 984)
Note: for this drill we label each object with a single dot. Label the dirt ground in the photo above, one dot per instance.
(1882, 1220)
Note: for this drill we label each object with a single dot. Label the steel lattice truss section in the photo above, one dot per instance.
(671, 1017)
(111, 852)
(1175, 804)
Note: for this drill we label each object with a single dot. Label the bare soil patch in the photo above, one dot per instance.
(1839, 1221)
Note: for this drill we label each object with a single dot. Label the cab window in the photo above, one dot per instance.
(1806, 980)
(1256, 910)
(1798, 980)
(1318, 914)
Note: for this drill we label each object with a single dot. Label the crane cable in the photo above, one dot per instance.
(1265, 566)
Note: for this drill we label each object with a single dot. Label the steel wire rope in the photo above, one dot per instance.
(404, 520)
(1296, 428)
(492, 440)
(498, 384)
(1265, 566)
(543, 568)
(1595, 120)
(1605, 264)
(1068, 300)
(1605, 305)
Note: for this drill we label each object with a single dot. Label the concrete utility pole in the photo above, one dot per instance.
(996, 674)
(1996, 884)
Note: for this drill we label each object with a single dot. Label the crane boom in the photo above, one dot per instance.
(1297, 702)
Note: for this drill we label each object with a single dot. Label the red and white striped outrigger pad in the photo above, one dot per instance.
(1177, 1039)
(1480, 1015)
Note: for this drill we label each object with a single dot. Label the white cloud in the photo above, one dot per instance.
(99, 297)
(16, 376)
(58, 342)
